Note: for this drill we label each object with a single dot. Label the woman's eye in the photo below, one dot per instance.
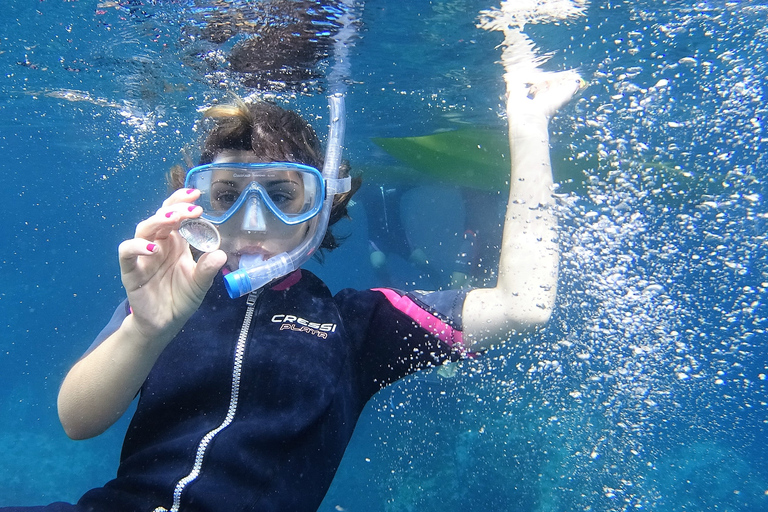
(225, 198)
(280, 195)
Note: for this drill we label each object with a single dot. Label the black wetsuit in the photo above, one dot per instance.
(311, 363)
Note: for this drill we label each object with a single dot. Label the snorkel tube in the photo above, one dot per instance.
(253, 275)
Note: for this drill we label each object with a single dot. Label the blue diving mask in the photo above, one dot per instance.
(293, 193)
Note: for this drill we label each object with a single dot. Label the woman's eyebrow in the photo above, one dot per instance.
(281, 181)
(225, 182)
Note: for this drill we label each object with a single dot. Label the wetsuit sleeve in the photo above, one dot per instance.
(399, 333)
(122, 311)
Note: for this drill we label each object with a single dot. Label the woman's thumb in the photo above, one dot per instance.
(208, 266)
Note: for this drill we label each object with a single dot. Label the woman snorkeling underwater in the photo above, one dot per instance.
(248, 403)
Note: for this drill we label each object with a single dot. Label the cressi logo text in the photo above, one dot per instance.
(296, 323)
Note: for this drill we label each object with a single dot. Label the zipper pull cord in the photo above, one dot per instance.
(234, 396)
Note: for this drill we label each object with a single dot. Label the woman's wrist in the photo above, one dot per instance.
(528, 121)
(146, 337)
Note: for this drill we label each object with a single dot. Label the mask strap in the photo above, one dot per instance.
(335, 186)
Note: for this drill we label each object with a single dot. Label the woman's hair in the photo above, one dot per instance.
(272, 134)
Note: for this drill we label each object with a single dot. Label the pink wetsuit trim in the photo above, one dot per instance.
(426, 320)
(289, 281)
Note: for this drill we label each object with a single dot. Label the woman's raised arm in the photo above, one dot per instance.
(527, 279)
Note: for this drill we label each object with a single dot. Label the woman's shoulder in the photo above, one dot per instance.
(445, 305)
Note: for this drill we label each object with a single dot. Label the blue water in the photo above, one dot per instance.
(646, 391)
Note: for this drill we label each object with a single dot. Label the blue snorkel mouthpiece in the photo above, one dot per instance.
(241, 282)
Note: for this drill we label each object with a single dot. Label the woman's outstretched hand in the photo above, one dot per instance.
(165, 285)
(545, 96)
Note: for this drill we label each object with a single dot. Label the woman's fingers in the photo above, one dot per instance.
(167, 219)
(136, 274)
(154, 234)
(130, 250)
(183, 195)
(177, 207)
(557, 90)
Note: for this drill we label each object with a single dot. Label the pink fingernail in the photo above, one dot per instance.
(190, 190)
(168, 215)
(151, 247)
(191, 208)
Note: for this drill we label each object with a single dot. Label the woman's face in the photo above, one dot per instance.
(270, 236)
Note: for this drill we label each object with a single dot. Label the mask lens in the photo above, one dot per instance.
(292, 192)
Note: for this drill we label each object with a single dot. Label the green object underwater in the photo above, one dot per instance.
(478, 158)
(475, 157)
(470, 157)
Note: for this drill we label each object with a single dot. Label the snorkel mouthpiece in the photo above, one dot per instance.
(254, 273)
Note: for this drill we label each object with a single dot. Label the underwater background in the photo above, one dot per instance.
(647, 390)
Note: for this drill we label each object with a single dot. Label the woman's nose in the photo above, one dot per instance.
(254, 217)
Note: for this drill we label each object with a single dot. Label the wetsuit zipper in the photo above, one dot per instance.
(231, 410)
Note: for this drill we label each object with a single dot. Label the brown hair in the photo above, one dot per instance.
(273, 134)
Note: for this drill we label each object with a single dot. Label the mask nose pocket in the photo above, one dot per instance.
(254, 217)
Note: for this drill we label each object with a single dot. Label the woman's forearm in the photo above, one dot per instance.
(101, 386)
